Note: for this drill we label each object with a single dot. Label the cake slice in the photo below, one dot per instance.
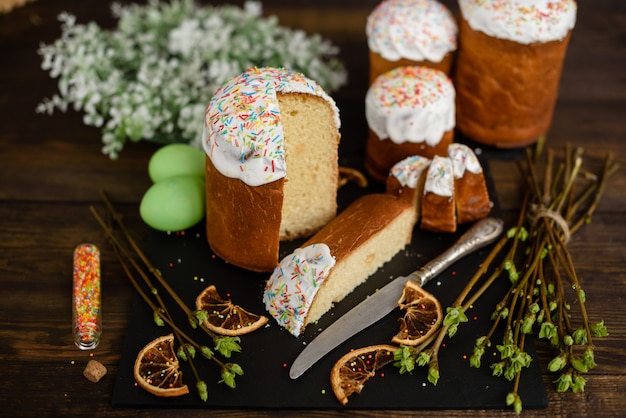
(470, 189)
(406, 180)
(438, 207)
(338, 258)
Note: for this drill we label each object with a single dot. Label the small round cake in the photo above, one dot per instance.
(409, 111)
(410, 32)
(508, 68)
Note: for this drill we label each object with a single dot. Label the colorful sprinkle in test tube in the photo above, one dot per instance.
(86, 312)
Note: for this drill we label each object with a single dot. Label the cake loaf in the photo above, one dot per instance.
(338, 258)
(271, 137)
(406, 180)
(508, 68)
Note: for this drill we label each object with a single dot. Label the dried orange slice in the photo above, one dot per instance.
(350, 372)
(224, 317)
(157, 369)
(422, 318)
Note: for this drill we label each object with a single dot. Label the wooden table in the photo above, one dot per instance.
(51, 169)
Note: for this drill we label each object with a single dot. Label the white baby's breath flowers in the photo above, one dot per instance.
(152, 77)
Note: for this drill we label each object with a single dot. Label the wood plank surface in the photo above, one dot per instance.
(51, 169)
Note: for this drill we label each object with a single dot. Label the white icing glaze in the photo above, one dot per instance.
(522, 21)
(463, 158)
(439, 178)
(243, 135)
(409, 170)
(419, 30)
(294, 283)
(411, 104)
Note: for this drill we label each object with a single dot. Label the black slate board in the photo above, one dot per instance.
(188, 264)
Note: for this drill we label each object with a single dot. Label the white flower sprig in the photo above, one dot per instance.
(152, 77)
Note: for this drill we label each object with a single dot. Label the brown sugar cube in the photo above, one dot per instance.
(94, 371)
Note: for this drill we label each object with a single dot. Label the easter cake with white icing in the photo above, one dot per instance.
(271, 136)
(410, 33)
(508, 68)
(409, 111)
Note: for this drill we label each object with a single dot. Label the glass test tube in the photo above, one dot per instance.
(86, 310)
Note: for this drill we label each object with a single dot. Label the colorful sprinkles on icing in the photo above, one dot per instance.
(409, 170)
(243, 135)
(295, 281)
(411, 104)
(523, 21)
(86, 296)
(463, 158)
(410, 87)
(419, 30)
(439, 178)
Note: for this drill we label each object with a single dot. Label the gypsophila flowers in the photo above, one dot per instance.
(151, 78)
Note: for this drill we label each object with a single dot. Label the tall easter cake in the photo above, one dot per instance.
(271, 137)
(508, 68)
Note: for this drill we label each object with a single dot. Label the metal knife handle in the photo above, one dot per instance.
(482, 233)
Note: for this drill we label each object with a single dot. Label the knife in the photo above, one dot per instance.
(385, 300)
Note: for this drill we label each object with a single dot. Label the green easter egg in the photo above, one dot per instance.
(176, 160)
(174, 203)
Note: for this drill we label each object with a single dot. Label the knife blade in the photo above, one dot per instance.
(380, 304)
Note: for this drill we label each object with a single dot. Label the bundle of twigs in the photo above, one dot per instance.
(559, 199)
(127, 252)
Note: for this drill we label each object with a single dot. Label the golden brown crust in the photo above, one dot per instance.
(362, 219)
(438, 213)
(394, 188)
(380, 65)
(245, 224)
(472, 198)
(381, 155)
(228, 202)
(505, 91)
(411, 195)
